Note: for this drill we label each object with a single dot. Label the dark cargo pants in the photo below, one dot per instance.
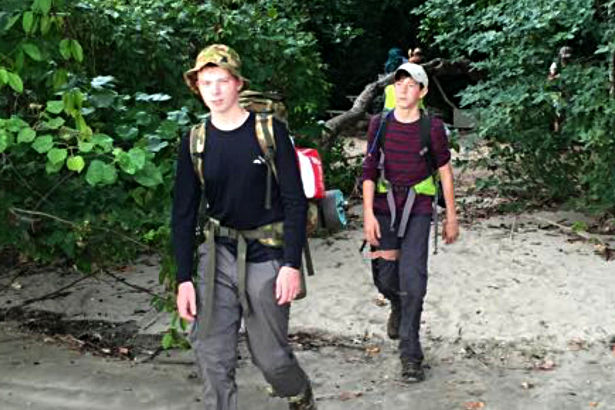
(266, 326)
(404, 282)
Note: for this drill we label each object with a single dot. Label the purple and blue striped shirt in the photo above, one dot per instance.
(403, 164)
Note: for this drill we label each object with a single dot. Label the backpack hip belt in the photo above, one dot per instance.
(270, 234)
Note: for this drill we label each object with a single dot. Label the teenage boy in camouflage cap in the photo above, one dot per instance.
(235, 177)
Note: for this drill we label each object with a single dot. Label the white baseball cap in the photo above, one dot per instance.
(415, 71)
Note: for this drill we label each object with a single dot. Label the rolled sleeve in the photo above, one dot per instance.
(439, 142)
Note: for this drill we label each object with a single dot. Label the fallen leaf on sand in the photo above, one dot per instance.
(348, 395)
(593, 404)
(576, 344)
(380, 300)
(604, 250)
(471, 405)
(545, 365)
(372, 350)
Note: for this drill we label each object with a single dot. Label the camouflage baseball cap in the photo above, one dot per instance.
(219, 55)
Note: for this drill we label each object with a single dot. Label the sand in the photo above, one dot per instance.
(517, 316)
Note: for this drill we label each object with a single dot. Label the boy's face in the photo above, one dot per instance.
(408, 92)
(219, 89)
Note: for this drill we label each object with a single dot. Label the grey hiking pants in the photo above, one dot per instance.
(267, 328)
(404, 282)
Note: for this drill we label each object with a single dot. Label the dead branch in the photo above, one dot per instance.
(49, 295)
(20, 212)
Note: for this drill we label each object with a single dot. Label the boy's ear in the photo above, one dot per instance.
(424, 92)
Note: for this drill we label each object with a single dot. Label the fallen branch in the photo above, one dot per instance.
(49, 295)
(568, 229)
(602, 247)
(20, 211)
(337, 124)
(131, 285)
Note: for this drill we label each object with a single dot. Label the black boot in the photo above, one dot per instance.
(393, 322)
(303, 401)
(412, 371)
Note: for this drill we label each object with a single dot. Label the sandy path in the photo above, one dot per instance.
(503, 302)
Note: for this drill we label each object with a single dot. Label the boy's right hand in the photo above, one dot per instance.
(186, 301)
(371, 229)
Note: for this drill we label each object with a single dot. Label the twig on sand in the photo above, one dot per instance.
(131, 285)
(601, 247)
(50, 295)
(569, 230)
(512, 228)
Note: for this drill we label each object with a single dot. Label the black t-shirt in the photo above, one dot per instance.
(235, 181)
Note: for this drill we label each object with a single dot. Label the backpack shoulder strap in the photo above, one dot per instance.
(426, 147)
(198, 137)
(382, 128)
(266, 139)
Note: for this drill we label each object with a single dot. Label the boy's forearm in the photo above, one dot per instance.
(369, 188)
(448, 189)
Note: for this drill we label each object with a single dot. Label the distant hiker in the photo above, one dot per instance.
(563, 58)
(248, 265)
(415, 55)
(394, 60)
(399, 194)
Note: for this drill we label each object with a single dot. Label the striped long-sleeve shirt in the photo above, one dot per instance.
(403, 164)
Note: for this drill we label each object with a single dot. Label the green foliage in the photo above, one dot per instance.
(512, 44)
(93, 103)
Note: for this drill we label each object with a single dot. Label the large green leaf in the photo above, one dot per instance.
(52, 168)
(76, 50)
(55, 123)
(32, 51)
(104, 141)
(103, 98)
(55, 107)
(149, 176)
(57, 155)
(43, 143)
(75, 163)
(26, 135)
(65, 51)
(15, 82)
(45, 24)
(100, 173)
(45, 6)
(4, 76)
(28, 21)
(4, 141)
(85, 146)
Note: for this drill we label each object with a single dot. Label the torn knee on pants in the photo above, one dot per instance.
(387, 255)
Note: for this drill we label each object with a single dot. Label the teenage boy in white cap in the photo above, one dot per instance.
(398, 206)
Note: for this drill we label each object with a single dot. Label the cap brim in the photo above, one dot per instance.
(190, 75)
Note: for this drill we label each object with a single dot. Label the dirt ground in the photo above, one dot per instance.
(518, 315)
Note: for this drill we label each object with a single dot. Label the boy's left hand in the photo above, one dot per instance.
(450, 233)
(287, 285)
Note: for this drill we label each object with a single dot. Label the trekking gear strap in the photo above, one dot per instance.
(214, 229)
(405, 216)
(427, 154)
(266, 140)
